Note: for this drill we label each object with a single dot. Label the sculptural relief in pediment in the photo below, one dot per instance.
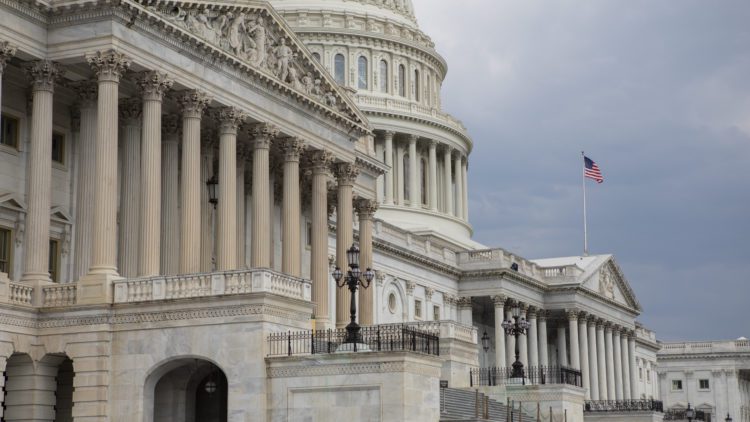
(607, 283)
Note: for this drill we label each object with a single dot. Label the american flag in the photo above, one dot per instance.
(591, 170)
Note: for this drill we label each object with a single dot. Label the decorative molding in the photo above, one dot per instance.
(43, 74)
(108, 65)
(321, 369)
(153, 84)
(193, 103)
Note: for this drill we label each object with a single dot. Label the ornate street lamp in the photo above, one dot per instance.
(211, 185)
(485, 346)
(515, 328)
(353, 280)
(728, 419)
(689, 413)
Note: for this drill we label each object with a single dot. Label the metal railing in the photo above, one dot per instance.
(373, 338)
(679, 415)
(623, 406)
(535, 375)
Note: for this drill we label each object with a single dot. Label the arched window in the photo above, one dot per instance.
(384, 76)
(415, 86)
(407, 194)
(339, 69)
(362, 72)
(424, 182)
(401, 80)
(316, 56)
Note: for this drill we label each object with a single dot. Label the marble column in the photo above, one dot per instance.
(593, 359)
(523, 345)
(400, 177)
(208, 209)
(43, 75)
(510, 341)
(170, 190)
(415, 197)
(432, 198)
(243, 154)
(109, 67)
(388, 178)
(290, 243)
(366, 209)
(152, 86)
(346, 174)
(230, 120)
(465, 188)
(562, 348)
(262, 135)
(583, 347)
(631, 363)
(320, 161)
(532, 335)
(85, 183)
(625, 366)
(575, 356)
(601, 361)
(192, 104)
(617, 356)
(448, 177)
(130, 199)
(543, 349)
(458, 207)
(608, 347)
(500, 356)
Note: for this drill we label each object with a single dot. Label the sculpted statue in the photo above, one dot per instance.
(284, 56)
(307, 82)
(236, 31)
(258, 37)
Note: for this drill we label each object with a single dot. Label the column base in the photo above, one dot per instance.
(96, 289)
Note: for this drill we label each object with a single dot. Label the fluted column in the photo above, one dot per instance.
(290, 244)
(601, 361)
(320, 161)
(262, 135)
(366, 211)
(625, 366)
(523, 346)
(610, 361)
(388, 180)
(465, 189)
(562, 350)
(543, 349)
(500, 357)
(170, 189)
(448, 176)
(583, 347)
(459, 207)
(432, 182)
(109, 67)
(85, 184)
(43, 75)
(346, 174)
(243, 154)
(594, 360)
(152, 85)
(575, 355)
(532, 335)
(230, 119)
(192, 104)
(617, 356)
(510, 341)
(631, 363)
(208, 210)
(130, 199)
(415, 196)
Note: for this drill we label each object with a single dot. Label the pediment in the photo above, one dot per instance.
(608, 281)
(60, 214)
(12, 201)
(253, 34)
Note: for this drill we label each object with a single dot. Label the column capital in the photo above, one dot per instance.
(499, 300)
(410, 286)
(152, 84)
(262, 134)
(600, 323)
(365, 208)
(230, 119)
(389, 134)
(346, 173)
(130, 111)
(43, 74)
(523, 306)
(413, 139)
(86, 91)
(6, 52)
(572, 314)
(542, 314)
(108, 65)
(464, 302)
(448, 150)
(616, 330)
(170, 124)
(292, 147)
(320, 161)
(432, 143)
(531, 313)
(193, 102)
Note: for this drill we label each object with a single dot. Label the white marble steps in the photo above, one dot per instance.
(460, 406)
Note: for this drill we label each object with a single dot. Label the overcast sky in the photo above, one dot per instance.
(658, 94)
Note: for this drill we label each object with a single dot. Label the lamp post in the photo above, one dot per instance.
(689, 413)
(211, 185)
(515, 328)
(485, 347)
(353, 279)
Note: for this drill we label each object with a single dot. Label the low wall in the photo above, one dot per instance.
(644, 416)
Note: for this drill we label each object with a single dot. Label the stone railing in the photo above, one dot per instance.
(727, 346)
(445, 329)
(59, 295)
(404, 106)
(20, 294)
(211, 284)
(489, 259)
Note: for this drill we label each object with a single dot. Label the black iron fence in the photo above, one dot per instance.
(373, 338)
(535, 375)
(679, 415)
(623, 405)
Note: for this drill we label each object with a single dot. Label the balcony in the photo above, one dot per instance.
(624, 406)
(535, 375)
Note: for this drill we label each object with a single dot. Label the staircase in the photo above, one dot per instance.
(469, 406)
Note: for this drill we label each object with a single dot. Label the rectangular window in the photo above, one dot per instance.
(308, 232)
(5, 250)
(54, 260)
(640, 374)
(676, 385)
(436, 313)
(58, 148)
(418, 309)
(704, 384)
(9, 133)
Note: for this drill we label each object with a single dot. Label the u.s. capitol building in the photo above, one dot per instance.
(179, 182)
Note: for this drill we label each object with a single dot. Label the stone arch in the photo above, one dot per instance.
(41, 387)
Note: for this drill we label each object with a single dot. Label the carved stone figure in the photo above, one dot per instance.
(236, 31)
(308, 83)
(607, 284)
(284, 56)
(259, 37)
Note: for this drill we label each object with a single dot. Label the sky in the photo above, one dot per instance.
(658, 94)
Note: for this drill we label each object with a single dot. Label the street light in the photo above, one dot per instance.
(728, 419)
(485, 346)
(211, 185)
(689, 413)
(515, 328)
(353, 279)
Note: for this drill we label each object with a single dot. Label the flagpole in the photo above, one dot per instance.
(585, 228)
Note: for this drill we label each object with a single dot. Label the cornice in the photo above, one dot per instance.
(505, 273)
(32, 10)
(371, 164)
(702, 356)
(398, 251)
(422, 120)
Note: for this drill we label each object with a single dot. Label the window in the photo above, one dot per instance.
(6, 245)
(676, 385)
(704, 384)
(384, 76)
(339, 69)
(54, 260)
(58, 148)
(436, 313)
(392, 303)
(316, 56)
(362, 72)
(9, 134)
(417, 308)
(415, 86)
(401, 80)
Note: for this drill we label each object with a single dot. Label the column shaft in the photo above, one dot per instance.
(458, 207)
(610, 362)
(208, 210)
(500, 358)
(601, 362)
(242, 157)
(85, 189)
(321, 161)
(625, 367)
(346, 174)
(130, 198)
(533, 341)
(510, 341)
(465, 189)
(366, 210)
(543, 349)
(562, 348)
(400, 176)
(170, 190)
(388, 178)
(261, 253)
(448, 184)
(583, 346)
(432, 198)
(291, 247)
(415, 196)
(631, 363)
(226, 241)
(523, 346)
(594, 361)
(617, 356)
(575, 356)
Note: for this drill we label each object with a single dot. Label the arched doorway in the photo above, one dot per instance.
(186, 390)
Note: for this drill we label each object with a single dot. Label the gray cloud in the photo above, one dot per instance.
(658, 94)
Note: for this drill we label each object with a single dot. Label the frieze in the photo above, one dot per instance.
(351, 369)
